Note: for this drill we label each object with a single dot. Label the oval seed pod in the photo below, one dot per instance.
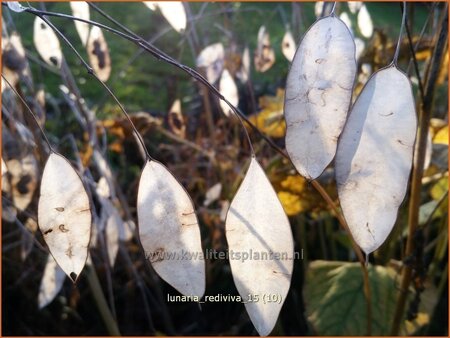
(113, 223)
(288, 46)
(244, 71)
(176, 120)
(173, 11)
(212, 58)
(98, 53)
(229, 90)
(354, 6)
(257, 224)
(365, 24)
(51, 282)
(47, 43)
(264, 54)
(374, 157)
(80, 9)
(318, 8)
(318, 95)
(169, 231)
(64, 215)
(24, 177)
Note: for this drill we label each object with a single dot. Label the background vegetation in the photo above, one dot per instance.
(326, 295)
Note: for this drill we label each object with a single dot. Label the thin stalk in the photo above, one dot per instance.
(368, 296)
(416, 182)
(108, 267)
(414, 48)
(208, 114)
(196, 147)
(362, 260)
(333, 9)
(100, 301)
(399, 42)
(141, 288)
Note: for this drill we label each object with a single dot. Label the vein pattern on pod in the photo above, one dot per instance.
(256, 221)
(318, 95)
(64, 215)
(168, 228)
(374, 157)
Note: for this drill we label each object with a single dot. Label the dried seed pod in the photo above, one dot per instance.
(256, 223)
(47, 43)
(169, 231)
(212, 58)
(80, 9)
(288, 46)
(51, 282)
(229, 90)
(365, 24)
(173, 11)
(374, 157)
(264, 53)
(64, 215)
(99, 54)
(318, 95)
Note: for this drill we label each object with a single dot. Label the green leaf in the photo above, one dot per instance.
(426, 211)
(335, 301)
(439, 188)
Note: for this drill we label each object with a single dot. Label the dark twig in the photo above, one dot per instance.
(434, 67)
(413, 55)
(400, 34)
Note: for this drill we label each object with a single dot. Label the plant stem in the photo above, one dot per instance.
(100, 301)
(357, 250)
(434, 67)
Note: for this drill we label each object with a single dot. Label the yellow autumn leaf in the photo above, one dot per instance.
(439, 188)
(270, 120)
(294, 184)
(412, 326)
(443, 73)
(291, 203)
(292, 195)
(441, 136)
(272, 102)
(296, 196)
(423, 55)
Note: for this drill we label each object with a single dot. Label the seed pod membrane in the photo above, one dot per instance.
(169, 231)
(374, 157)
(256, 223)
(318, 95)
(64, 215)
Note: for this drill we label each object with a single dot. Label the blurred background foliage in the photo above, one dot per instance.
(206, 151)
